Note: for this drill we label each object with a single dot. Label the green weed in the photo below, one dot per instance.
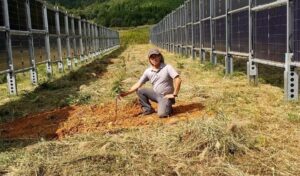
(294, 117)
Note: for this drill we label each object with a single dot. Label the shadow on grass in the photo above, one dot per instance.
(266, 73)
(58, 93)
(182, 109)
(5, 145)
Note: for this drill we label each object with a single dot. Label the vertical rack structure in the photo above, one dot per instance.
(36, 33)
(260, 31)
(33, 70)
(47, 40)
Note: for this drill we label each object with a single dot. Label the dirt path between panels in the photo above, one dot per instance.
(101, 117)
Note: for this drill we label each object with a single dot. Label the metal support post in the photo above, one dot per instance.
(85, 57)
(12, 85)
(33, 70)
(193, 40)
(252, 69)
(57, 23)
(291, 77)
(11, 77)
(88, 39)
(228, 57)
(200, 32)
(80, 40)
(75, 54)
(213, 56)
(47, 42)
(228, 64)
(202, 56)
(69, 62)
(185, 30)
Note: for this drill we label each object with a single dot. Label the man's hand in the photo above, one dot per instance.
(123, 94)
(169, 96)
(132, 89)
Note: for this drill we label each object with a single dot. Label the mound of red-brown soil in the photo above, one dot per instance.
(72, 120)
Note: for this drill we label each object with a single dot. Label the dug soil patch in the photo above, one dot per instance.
(72, 120)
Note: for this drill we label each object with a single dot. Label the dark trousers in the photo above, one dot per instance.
(164, 104)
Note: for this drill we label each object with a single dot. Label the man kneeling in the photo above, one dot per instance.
(166, 85)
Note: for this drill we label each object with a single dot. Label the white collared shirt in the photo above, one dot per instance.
(161, 79)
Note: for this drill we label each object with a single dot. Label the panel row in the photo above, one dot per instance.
(33, 26)
(222, 26)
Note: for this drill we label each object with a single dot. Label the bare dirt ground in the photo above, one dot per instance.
(94, 118)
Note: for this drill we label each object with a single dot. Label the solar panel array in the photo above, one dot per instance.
(263, 32)
(223, 25)
(37, 33)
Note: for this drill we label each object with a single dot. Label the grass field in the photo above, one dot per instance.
(222, 124)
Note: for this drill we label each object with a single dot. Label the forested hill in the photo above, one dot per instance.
(120, 13)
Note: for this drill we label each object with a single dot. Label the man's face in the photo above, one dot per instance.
(155, 60)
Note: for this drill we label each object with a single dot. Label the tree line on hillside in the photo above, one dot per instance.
(120, 13)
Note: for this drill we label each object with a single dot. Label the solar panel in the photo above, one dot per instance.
(88, 39)
(297, 31)
(53, 49)
(205, 34)
(64, 47)
(196, 10)
(182, 31)
(219, 7)
(76, 25)
(171, 36)
(71, 33)
(189, 34)
(51, 21)
(205, 8)
(36, 12)
(3, 52)
(39, 48)
(62, 23)
(17, 15)
(20, 52)
(236, 4)
(220, 34)
(177, 36)
(72, 50)
(270, 34)
(262, 2)
(239, 27)
(197, 35)
(189, 11)
(183, 20)
(84, 37)
(1, 15)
